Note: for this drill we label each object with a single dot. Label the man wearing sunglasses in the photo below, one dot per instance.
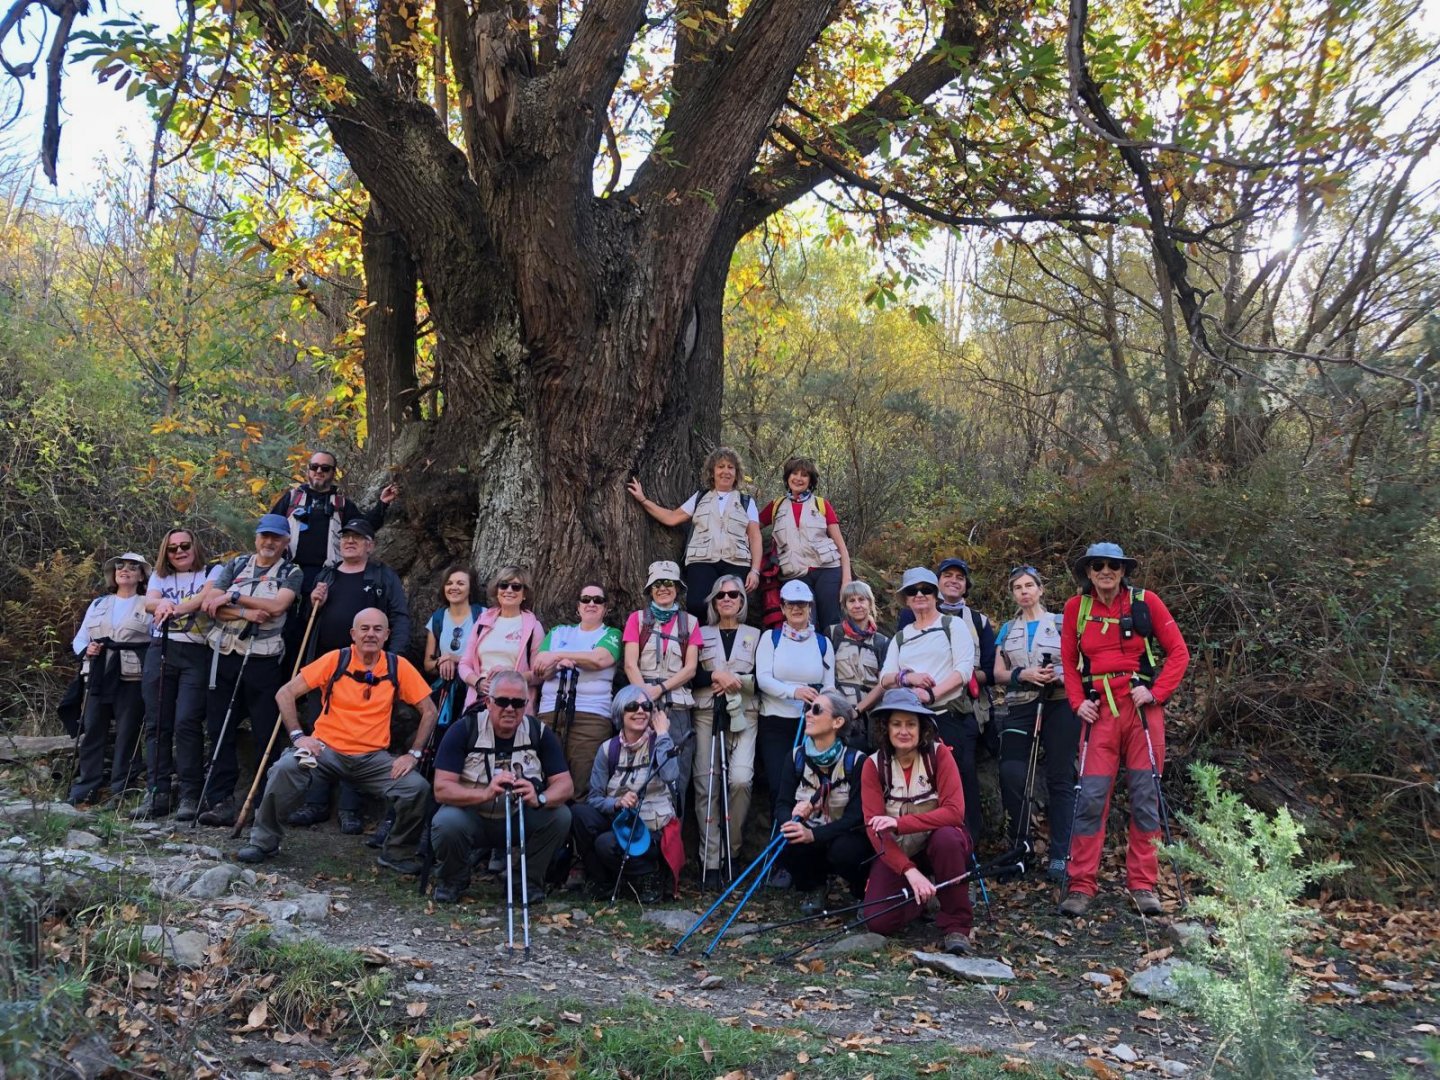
(317, 509)
(485, 755)
(361, 687)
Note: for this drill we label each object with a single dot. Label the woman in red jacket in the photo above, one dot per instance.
(914, 812)
(1107, 642)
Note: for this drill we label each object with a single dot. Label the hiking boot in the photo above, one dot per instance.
(220, 815)
(813, 902)
(188, 809)
(1146, 902)
(781, 879)
(713, 879)
(405, 865)
(352, 824)
(1075, 904)
(81, 796)
(254, 853)
(647, 889)
(155, 805)
(308, 815)
(496, 865)
(575, 879)
(382, 831)
(958, 944)
(449, 892)
(1057, 871)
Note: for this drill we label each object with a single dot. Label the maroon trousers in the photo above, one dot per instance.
(945, 855)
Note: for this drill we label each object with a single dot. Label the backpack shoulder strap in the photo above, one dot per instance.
(800, 761)
(612, 753)
(775, 638)
(437, 622)
(837, 635)
(392, 664)
(537, 732)
(852, 758)
(746, 501)
(342, 665)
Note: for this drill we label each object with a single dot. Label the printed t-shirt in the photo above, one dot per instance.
(353, 725)
(500, 648)
(592, 689)
(177, 588)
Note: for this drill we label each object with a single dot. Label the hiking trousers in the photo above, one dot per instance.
(176, 747)
(1059, 741)
(945, 855)
(1118, 742)
(582, 740)
(457, 831)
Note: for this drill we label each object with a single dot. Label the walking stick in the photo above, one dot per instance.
(710, 793)
(274, 733)
(1160, 801)
(224, 724)
(524, 877)
(80, 725)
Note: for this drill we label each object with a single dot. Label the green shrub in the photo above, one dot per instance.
(1250, 865)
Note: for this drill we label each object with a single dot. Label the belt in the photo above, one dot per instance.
(1104, 680)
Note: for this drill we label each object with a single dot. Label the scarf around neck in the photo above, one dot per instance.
(827, 758)
(663, 615)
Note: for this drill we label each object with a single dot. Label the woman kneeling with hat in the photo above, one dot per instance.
(914, 812)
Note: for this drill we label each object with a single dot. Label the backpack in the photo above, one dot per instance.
(852, 756)
(437, 621)
(342, 668)
(1140, 623)
(820, 640)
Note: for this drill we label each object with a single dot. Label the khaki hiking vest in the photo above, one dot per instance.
(833, 808)
(800, 547)
(919, 796)
(482, 763)
(99, 623)
(717, 537)
(656, 808)
(298, 498)
(741, 662)
(662, 655)
(857, 666)
(263, 583)
(1047, 640)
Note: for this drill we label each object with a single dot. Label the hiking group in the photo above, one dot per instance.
(525, 750)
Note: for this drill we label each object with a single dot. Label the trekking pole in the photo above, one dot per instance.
(524, 876)
(725, 852)
(427, 770)
(711, 795)
(636, 838)
(509, 877)
(1029, 795)
(1010, 860)
(724, 895)
(80, 725)
(264, 759)
(1091, 695)
(224, 724)
(1161, 803)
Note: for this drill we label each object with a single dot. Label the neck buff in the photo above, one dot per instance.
(796, 635)
(858, 633)
(633, 747)
(827, 758)
(804, 496)
(663, 615)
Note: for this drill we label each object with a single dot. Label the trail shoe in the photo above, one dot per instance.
(380, 835)
(813, 902)
(575, 879)
(1075, 904)
(308, 815)
(155, 805)
(188, 809)
(254, 853)
(449, 892)
(712, 880)
(1056, 871)
(781, 879)
(1147, 902)
(352, 824)
(402, 864)
(647, 889)
(221, 814)
(958, 944)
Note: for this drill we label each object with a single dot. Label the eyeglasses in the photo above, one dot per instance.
(919, 590)
(1106, 564)
(508, 702)
(728, 594)
(663, 583)
(637, 706)
(455, 637)
(510, 586)
(817, 708)
(591, 598)
(318, 467)
(180, 548)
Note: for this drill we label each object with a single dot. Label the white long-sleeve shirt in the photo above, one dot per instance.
(781, 669)
(934, 652)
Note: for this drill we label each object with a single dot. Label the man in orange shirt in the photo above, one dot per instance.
(351, 740)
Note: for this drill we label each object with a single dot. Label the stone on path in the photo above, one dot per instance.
(1174, 1068)
(1189, 935)
(675, 919)
(711, 982)
(853, 943)
(1124, 1052)
(1397, 987)
(21, 809)
(1158, 982)
(185, 948)
(213, 883)
(974, 968)
(1097, 978)
(79, 838)
(314, 906)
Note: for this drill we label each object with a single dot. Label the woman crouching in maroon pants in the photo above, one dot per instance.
(915, 817)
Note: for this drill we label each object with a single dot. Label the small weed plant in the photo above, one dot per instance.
(1252, 866)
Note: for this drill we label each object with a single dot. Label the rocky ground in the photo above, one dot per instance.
(1088, 997)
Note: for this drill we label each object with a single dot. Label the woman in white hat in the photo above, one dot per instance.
(792, 666)
(113, 637)
(662, 650)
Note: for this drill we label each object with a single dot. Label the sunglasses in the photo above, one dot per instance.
(508, 702)
(728, 594)
(127, 566)
(816, 708)
(321, 468)
(1106, 564)
(180, 548)
(455, 637)
(591, 598)
(920, 590)
(510, 586)
(637, 706)
(664, 583)
(1016, 571)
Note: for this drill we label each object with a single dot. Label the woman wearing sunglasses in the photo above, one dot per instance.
(934, 656)
(507, 635)
(175, 706)
(590, 650)
(1108, 642)
(1027, 666)
(448, 634)
(824, 790)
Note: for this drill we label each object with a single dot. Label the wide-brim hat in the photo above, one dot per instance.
(902, 699)
(918, 575)
(1103, 550)
(129, 556)
(664, 570)
(631, 833)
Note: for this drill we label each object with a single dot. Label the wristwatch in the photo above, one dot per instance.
(414, 753)
(541, 800)
(235, 596)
